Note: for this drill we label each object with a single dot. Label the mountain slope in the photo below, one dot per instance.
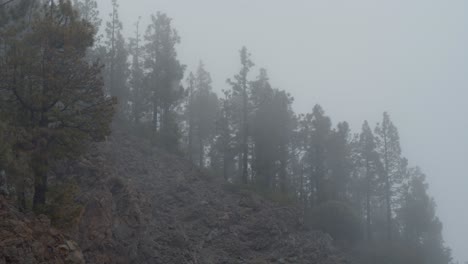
(27, 239)
(145, 206)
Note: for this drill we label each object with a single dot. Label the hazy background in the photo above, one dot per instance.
(357, 58)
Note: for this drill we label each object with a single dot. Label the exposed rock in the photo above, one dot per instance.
(145, 206)
(29, 240)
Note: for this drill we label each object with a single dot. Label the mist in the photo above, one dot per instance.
(355, 58)
(247, 111)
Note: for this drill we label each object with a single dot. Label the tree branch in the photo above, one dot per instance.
(7, 2)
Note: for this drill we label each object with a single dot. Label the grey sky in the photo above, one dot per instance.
(357, 59)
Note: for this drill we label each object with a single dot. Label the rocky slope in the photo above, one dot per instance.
(146, 206)
(30, 240)
(141, 205)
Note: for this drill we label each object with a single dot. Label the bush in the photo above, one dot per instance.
(338, 220)
(61, 208)
(380, 252)
(270, 195)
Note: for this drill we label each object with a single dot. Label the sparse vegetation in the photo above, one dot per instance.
(61, 83)
(62, 207)
(337, 219)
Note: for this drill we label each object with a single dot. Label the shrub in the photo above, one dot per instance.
(395, 252)
(61, 207)
(338, 220)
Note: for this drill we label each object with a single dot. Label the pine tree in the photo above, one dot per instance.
(164, 75)
(190, 115)
(262, 129)
(202, 112)
(317, 153)
(116, 60)
(298, 177)
(139, 93)
(271, 134)
(339, 161)
(224, 145)
(240, 86)
(420, 225)
(388, 145)
(88, 11)
(369, 161)
(53, 94)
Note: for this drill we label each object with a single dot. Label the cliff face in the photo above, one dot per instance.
(146, 206)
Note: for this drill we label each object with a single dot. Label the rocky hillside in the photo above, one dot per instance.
(30, 240)
(141, 205)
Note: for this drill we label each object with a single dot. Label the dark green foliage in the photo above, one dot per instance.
(271, 195)
(339, 162)
(201, 112)
(401, 253)
(337, 219)
(5, 145)
(224, 146)
(388, 146)
(369, 168)
(241, 91)
(61, 207)
(164, 75)
(320, 126)
(116, 72)
(419, 223)
(88, 11)
(272, 122)
(51, 93)
(139, 95)
(55, 98)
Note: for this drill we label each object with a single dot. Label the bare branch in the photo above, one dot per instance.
(7, 2)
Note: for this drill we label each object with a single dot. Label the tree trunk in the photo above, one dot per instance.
(245, 148)
(155, 120)
(22, 195)
(201, 150)
(303, 196)
(225, 166)
(389, 209)
(190, 132)
(245, 128)
(239, 165)
(387, 192)
(283, 164)
(40, 168)
(368, 203)
(226, 154)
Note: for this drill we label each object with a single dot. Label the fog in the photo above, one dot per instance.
(355, 58)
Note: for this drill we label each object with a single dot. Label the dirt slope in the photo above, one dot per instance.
(145, 206)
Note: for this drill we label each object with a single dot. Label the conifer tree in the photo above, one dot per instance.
(369, 162)
(116, 60)
(339, 161)
(317, 153)
(240, 87)
(388, 146)
(224, 145)
(271, 134)
(190, 115)
(139, 93)
(88, 11)
(164, 75)
(202, 112)
(51, 91)
(420, 226)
